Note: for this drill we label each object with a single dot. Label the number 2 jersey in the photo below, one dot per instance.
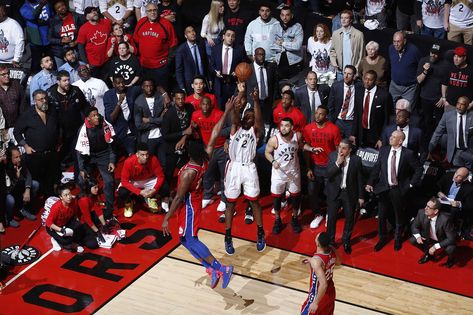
(242, 147)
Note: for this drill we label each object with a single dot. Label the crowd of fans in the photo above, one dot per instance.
(114, 80)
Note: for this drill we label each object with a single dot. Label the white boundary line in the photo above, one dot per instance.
(26, 269)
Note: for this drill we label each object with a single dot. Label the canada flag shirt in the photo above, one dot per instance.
(94, 38)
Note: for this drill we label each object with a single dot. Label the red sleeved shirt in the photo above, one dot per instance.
(326, 138)
(196, 102)
(206, 124)
(134, 171)
(60, 214)
(294, 113)
(130, 42)
(94, 38)
(153, 42)
(86, 206)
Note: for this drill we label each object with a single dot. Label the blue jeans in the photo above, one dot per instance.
(15, 197)
(434, 32)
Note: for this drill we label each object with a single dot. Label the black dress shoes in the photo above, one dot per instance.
(397, 245)
(379, 245)
(450, 262)
(347, 248)
(425, 258)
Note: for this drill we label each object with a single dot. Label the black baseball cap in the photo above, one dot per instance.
(435, 48)
(90, 9)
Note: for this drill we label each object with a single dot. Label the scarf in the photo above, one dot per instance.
(82, 144)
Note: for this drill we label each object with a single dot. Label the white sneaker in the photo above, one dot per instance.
(206, 202)
(221, 206)
(80, 249)
(273, 211)
(363, 211)
(165, 206)
(56, 246)
(316, 222)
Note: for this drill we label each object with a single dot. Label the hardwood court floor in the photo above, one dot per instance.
(272, 282)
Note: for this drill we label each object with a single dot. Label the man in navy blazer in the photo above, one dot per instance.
(413, 134)
(186, 65)
(225, 80)
(118, 103)
(311, 93)
(338, 114)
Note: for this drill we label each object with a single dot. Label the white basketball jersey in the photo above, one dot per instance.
(286, 153)
(242, 147)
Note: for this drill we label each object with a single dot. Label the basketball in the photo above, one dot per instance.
(243, 71)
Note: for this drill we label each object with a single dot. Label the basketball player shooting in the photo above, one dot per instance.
(241, 170)
(188, 204)
(321, 299)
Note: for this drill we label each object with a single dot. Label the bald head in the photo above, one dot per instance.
(461, 175)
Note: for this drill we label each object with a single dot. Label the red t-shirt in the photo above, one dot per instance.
(87, 204)
(153, 42)
(60, 214)
(294, 113)
(134, 171)
(206, 124)
(94, 37)
(68, 27)
(196, 102)
(326, 138)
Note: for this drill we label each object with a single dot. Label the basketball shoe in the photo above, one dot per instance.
(226, 274)
(214, 276)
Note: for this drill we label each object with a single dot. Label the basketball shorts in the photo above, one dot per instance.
(238, 175)
(282, 180)
(326, 305)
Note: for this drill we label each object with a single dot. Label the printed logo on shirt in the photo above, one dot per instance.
(125, 71)
(322, 60)
(433, 7)
(459, 79)
(99, 38)
(3, 42)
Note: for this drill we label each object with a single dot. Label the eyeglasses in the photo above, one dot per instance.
(4, 74)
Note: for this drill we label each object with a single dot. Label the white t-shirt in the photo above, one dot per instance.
(12, 41)
(432, 13)
(461, 15)
(154, 133)
(94, 90)
(374, 7)
(116, 8)
(320, 61)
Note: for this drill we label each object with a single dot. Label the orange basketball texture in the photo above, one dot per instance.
(243, 71)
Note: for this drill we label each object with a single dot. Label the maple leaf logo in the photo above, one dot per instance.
(99, 38)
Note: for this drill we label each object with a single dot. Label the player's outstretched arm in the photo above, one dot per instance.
(259, 125)
(186, 179)
(218, 127)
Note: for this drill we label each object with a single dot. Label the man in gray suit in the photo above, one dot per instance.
(433, 230)
(456, 131)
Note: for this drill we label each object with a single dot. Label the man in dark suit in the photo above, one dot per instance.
(457, 138)
(459, 191)
(148, 121)
(372, 107)
(311, 95)
(433, 230)
(191, 60)
(264, 77)
(118, 103)
(341, 102)
(344, 188)
(413, 134)
(225, 57)
(395, 172)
